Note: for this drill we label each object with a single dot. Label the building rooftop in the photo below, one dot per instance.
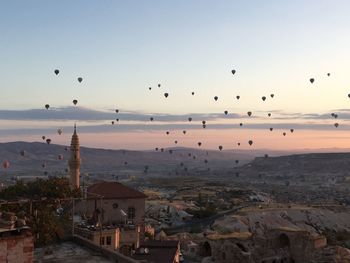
(158, 251)
(113, 190)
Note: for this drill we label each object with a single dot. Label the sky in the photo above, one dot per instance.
(121, 48)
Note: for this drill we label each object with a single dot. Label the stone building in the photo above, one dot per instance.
(16, 240)
(279, 245)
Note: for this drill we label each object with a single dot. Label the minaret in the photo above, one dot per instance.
(74, 161)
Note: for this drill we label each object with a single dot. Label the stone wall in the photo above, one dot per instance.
(17, 246)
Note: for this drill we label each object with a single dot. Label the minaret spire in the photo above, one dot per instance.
(74, 161)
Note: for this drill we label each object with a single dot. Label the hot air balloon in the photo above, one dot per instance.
(226, 112)
(56, 71)
(199, 144)
(192, 93)
(266, 155)
(204, 126)
(269, 114)
(6, 164)
(237, 97)
(272, 95)
(184, 132)
(237, 161)
(43, 165)
(216, 98)
(233, 71)
(250, 142)
(80, 79)
(175, 142)
(43, 137)
(249, 113)
(75, 102)
(205, 161)
(159, 85)
(170, 151)
(167, 133)
(166, 94)
(312, 80)
(291, 130)
(112, 122)
(271, 129)
(47, 106)
(220, 147)
(151, 118)
(116, 111)
(263, 98)
(189, 119)
(203, 122)
(156, 149)
(336, 124)
(328, 74)
(238, 143)
(59, 131)
(117, 119)
(241, 124)
(48, 141)
(284, 134)
(149, 88)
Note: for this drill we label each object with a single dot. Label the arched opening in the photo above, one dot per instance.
(125, 250)
(284, 241)
(241, 247)
(205, 250)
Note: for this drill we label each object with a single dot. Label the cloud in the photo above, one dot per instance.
(86, 114)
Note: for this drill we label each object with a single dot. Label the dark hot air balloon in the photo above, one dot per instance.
(166, 94)
(263, 98)
(233, 71)
(220, 147)
(312, 80)
(75, 102)
(216, 98)
(47, 106)
(56, 71)
(249, 113)
(80, 79)
(6, 164)
(250, 142)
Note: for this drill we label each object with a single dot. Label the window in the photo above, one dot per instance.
(109, 240)
(102, 240)
(131, 213)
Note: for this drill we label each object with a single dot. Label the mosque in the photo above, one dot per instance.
(112, 207)
(112, 216)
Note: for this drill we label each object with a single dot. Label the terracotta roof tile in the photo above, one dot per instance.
(113, 190)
